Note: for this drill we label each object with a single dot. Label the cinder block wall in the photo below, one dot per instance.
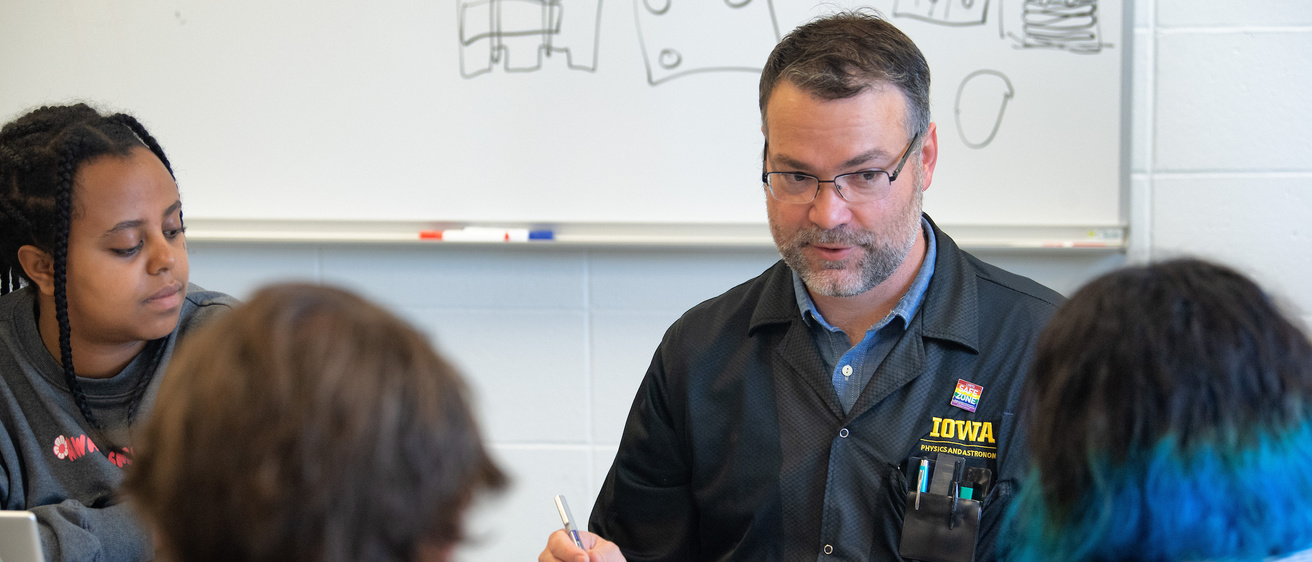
(1223, 138)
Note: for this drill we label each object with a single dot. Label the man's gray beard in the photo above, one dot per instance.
(878, 262)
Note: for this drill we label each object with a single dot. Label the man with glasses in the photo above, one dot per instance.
(786, 419)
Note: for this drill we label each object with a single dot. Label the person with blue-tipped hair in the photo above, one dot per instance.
(1170, 411)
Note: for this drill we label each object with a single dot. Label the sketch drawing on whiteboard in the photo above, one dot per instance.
(1070, 25)
(682, 37)
(944, 12)
(982, 100)
(519, 34)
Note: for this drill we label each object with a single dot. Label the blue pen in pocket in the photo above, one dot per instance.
(922, 481)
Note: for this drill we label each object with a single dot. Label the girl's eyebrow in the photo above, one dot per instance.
(173, 208)
(134, 223)
(125, 225)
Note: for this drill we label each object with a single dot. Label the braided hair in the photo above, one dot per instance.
(40, 154)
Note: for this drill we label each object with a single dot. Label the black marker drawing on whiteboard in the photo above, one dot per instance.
(519, 34)
(982, 99)
(682, 37)
(944, 12)
(1070, 25)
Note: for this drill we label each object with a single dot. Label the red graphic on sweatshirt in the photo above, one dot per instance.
(61, 447)
(121, 459)
(73, 448)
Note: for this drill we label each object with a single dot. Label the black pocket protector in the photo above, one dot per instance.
(941, 529)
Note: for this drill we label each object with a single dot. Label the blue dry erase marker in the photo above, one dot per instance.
(568, 519)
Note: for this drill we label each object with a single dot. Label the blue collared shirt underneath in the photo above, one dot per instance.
(854, 365)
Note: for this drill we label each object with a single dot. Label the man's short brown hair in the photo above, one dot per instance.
(845, 54)
(309, 424)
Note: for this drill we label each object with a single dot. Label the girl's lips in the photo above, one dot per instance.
(168, 297)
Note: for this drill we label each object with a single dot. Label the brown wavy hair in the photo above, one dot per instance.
(309, 424)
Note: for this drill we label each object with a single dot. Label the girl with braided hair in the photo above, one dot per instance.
(93, 267)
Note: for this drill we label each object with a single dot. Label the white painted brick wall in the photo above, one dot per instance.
(1229, 173)
(1225, 13)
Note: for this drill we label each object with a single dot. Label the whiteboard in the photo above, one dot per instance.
(559, 111)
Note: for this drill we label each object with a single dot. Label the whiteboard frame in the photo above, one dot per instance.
(1060, 237)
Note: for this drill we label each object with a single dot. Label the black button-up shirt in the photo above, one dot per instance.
(737, 447)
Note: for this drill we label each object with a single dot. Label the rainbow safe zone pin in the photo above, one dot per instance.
(966, 396)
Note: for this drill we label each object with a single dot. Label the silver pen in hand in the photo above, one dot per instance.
(568, 519)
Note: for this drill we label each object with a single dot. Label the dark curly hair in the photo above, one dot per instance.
(40, 154)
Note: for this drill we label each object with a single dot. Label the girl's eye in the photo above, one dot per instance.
(173, 233)
(129, 251)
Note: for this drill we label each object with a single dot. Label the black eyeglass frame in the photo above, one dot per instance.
(892, 176)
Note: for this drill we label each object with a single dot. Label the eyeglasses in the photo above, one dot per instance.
(855, 187)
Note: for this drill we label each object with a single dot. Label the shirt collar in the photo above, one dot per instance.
(906, 306)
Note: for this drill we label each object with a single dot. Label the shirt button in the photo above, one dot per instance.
(829, 549)
(847, 370)
(843, 433)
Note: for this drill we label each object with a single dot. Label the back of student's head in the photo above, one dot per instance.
(1169, 420)
(309, 424)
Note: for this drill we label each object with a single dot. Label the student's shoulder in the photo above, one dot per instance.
(16, 317)
(19, 299)
(201, 297)
(203, 305)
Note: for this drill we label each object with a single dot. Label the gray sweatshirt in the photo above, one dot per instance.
(52, 462)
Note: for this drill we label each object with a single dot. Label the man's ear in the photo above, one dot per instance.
(929, 154)
(39, 267)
